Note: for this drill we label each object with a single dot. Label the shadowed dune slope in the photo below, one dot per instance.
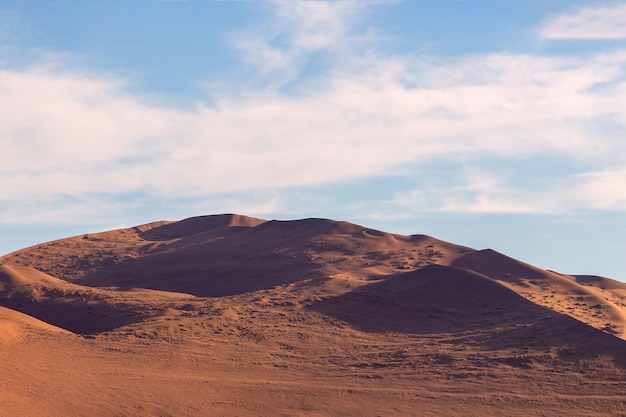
(434, 298)
(73, 258)
(269, 254)
(600, 303)
(62, 304)
(441, 299)
(16, 326)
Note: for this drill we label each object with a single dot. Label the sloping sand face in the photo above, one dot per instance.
(16, 326)
(599, 302)
(236, 316)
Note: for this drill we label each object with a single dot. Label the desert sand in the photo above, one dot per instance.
(228, 315)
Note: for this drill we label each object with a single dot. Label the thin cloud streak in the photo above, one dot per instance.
(607, 23)
(488, 192)
(280, 49)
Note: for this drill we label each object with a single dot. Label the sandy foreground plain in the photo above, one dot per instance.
(229, 315)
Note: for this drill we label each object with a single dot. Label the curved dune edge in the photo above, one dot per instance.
(601, 308)
(16, 326)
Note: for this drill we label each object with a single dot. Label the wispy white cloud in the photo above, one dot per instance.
(601, 190)
(74, 139)
(588, 23)
(475, 190)
(279, 49)
(488, 191)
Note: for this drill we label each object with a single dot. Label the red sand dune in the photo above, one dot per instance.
(237, 316)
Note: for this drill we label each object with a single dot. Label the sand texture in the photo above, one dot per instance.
(228, 315)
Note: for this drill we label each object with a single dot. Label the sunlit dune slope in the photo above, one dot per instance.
(597, 302)
(439, 298)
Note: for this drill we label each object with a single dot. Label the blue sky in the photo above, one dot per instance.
(495, 123)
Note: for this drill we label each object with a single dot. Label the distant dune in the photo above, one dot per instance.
(237, 316)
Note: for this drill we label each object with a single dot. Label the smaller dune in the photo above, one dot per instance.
(434, 299)
(16, 326)
(592, 300)
(63, 304)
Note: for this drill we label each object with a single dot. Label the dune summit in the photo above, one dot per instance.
(237, 316)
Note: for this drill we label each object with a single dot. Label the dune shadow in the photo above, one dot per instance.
(470, 309)
(210, 269)
(78, 316)
(222, 261)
